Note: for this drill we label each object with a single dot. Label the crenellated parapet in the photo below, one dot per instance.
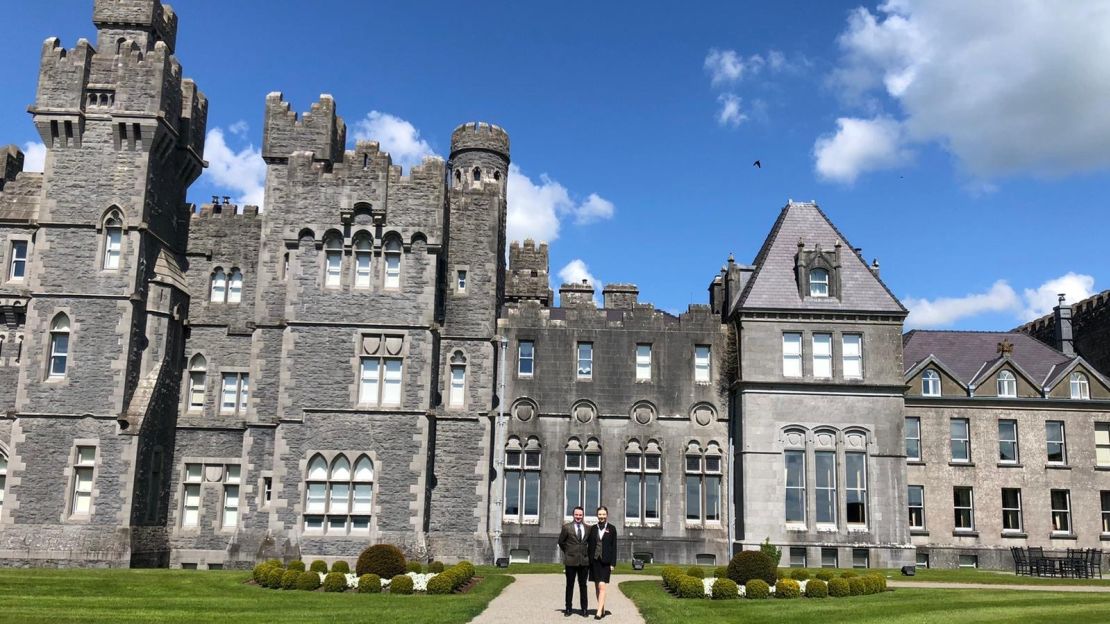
(63, 75)
(528, 277)
(320, 131)
(11, 163)
(149, 19)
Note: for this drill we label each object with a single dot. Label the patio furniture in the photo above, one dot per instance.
(1021, 562)
(1038, 564)
(1094, 562)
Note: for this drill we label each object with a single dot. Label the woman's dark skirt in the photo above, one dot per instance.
(599, 571)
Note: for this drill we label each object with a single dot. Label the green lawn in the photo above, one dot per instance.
(43, 595)
(904, 606)
(557, 568)
(989, 577)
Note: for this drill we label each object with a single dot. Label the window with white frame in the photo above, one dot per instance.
(339, 499)
(363, 255)
(703, 483)
(522, 480)
(393, 263)
(234, 393)
(1056, 442)
(113, 240)
(218, 288)
(457, 392)
(861, 558)
(792, 354)
(916, 498)
(851, 355)
(1102, 444)
(818, 283)
(333, 262)
(1080, 387)
(963, 506)
(643, 468)
(190, 499)
(582, 477)
(825, 469)
(701, 364)
(797, 557)
(643, 362)
(930, 383)
(1104, 498)
(267, 491)
(3, 478)
(968, 561)
(17, 266)
(229, 519)
(525, 358)
(855, 488)
(380, 381)
(822, 356)
(585, 357)
(1007, 384)
(1007, 441)
(198, 380)
(59, 347)
(960, 440)
(235, 286)
(829, 558)
(1011, 510)
(913, 438)
(1061, 510)
(795, 461)
(83, 466)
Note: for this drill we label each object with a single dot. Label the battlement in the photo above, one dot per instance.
(319, 131)
(145, 21)
(63, 74)
(579, 295)
(620, 296)
(527, 278)
(527, 256)
(11, 163)
(223, 209)
(480, 136)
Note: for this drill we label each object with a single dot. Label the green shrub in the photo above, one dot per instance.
(856, 586)
(319, 566)
(414, 566)
(773, 552)
(825, 575)
(400, 584)
(335, 582)
(289, 579)
(671, 574)
(720, 572)
(273, 577)
(848, 574)
(879, 580)
(751, 564)
(781, 574)
(275, 562)
(799, 574)
(297, 565)
(816, 589)
(369, 584)
(695, 572)
(456, 578)
(788, 588)
(385, 560)
(341, 566)
(467, 569)
(441, 584)
(725, 589)
(757, 589)
(435, 567)
(838, 588)
(259, 572)
(690, 587)
(870, 584)
(308, 581)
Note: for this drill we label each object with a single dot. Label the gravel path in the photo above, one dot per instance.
(994, 587)
(538, 599)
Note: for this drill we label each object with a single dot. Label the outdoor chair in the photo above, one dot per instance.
(1038, 565)
(1021, 562)
(1094, 562)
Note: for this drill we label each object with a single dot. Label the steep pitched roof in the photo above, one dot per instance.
(774, 285)
(967, 353)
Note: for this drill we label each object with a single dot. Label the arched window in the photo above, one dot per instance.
(477, 174)
(522, 480)
(582, 477)
(393, 263)
(198, 381)
(59, 346)
(363, 250)
(703, 483)
(930, 383)
(235, 286)
(113, 240)
(219, 286)
(333, 262)
(1007, 384)
(642, 478)
(818, 283)
(338, 501)
(457, 391)
(1080, 386)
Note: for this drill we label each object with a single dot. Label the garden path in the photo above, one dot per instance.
(538, 599)
(996, 587)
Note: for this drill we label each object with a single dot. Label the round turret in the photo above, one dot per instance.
(479, 155)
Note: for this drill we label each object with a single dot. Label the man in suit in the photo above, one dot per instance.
(573, 541)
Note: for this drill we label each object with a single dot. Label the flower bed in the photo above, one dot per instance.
(419, 581)
(273, 574)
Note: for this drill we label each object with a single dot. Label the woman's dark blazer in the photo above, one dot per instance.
(607, 545)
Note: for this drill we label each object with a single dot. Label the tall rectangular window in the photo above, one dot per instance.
(585, 360)
(643, 362)
(1102, 444)
(582, 482)
(701, 364)
(712, 488)
(855, 485)
(1007, 441)
(861, 558)
(522, 485)
(641, 488)
(703, 486)
(797, 557)
(235, 393)
(197, 379)
(391, 386)
(1061, 511)
(1011, 510)
(963, 506)
(822, 356)
(913, 438)
(113, 242)
(795, 486)
(792, 354)
(230, 517)
(18, 266)
(3, 478)
(369, 381)
(916, 498)
(458, 385)
(362, 264)
(852, 356)
(1054, 436)
(81, 502)
(1104, 498)
(525, 358)
(960, 440)
(190, 499)
(829, 558)
(460, 280)
(825, 464)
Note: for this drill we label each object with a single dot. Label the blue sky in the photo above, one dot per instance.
(964, 145)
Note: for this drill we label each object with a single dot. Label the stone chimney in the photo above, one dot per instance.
(577, 295)
(1062, 316)
(620, 296)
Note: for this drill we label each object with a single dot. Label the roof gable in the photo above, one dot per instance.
(969, 355)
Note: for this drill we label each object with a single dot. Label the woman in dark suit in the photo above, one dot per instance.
(603, 557)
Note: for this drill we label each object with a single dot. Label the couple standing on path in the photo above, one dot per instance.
(588, 550)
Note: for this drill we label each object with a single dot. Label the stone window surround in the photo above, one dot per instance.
(592, 447)
(178, 511)
(70, 479)
(239, 372)
(708, 364)
(651, 448)
(228, 277)
(9, 248)
(530, 445)
(329, 456)
(458, 358)
(852, 439)
(187, 384)
(366, 347)
(102, 239)
(704, 450)
(531, 341)
(836, 354)
(74, 331)
(461, 268)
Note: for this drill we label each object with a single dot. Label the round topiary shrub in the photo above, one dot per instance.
(259, 572)
(401, 584)
(691, 587)
(757, 589)
(751, 564)
(856, 586)
(319, 566)
(848, 574)
(671, 574)
(879, 580)
(274, 576)
(435, 567)
(788, 588)
(799, 574)
(385, 560)
(341, 566)
(838, 588)
(308, 581)
(817, 589)
(335, 582)
(275, 563)
(825, 575)
(297, 565)
(870, 584)
(467, 569)
(369, 584)
(696, 572)
(725, 589)
(720, 572)
(441, 584)
(289, 579)
(414, 566)
(781, 574)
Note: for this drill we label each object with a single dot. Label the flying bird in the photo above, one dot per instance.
(757, 165)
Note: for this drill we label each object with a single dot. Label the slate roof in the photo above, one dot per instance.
(966, 353)
(773, 285)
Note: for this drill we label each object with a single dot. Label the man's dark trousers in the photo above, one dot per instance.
(579, 572)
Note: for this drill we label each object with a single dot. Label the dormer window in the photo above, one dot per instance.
(1080, 387)
(818, 283)
(1007, 384)
(817, 272)
(930, 383)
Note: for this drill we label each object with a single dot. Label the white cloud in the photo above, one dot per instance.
(859, 146)
(575, 271)
(34, 156)
(1000, 298)
(396, 136)
(536, 209)
(1007, 87)
(239, 128)
(595, 208)
(241, 172)
(1040, 301)
(724, 65)
(730, 113)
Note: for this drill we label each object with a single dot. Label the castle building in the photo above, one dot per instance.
(367, 359)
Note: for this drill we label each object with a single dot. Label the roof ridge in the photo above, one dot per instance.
(761, 255)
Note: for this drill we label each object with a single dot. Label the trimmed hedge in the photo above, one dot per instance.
(259, 572)
(400, 584)
(671, 574)
(308, 581)
(725, 589)
(435, 567)
(752, 564)
(799, 574)
(289, 579)
(690, 587)
(385, 560)
(825, 575)
(817, 588)
(788, 588)
(757, 589)
(720, 572)
(848, 574)
(838, 588)
(297, 565)
(856, 586)
(341, 566)
(441, 584)
(781, 574)
(451, 579)
(319, 566)
(335, 582)
(880, 582)
(369, 584)
(415, 567)
(273, 577)
(696, 572)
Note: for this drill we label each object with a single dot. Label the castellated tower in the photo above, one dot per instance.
(90, 418)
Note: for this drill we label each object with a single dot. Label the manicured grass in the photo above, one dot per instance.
(41, 595)
(989, 577)
(907, 606)
(557, 568)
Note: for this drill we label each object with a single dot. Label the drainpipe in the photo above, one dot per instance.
(497, 509)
